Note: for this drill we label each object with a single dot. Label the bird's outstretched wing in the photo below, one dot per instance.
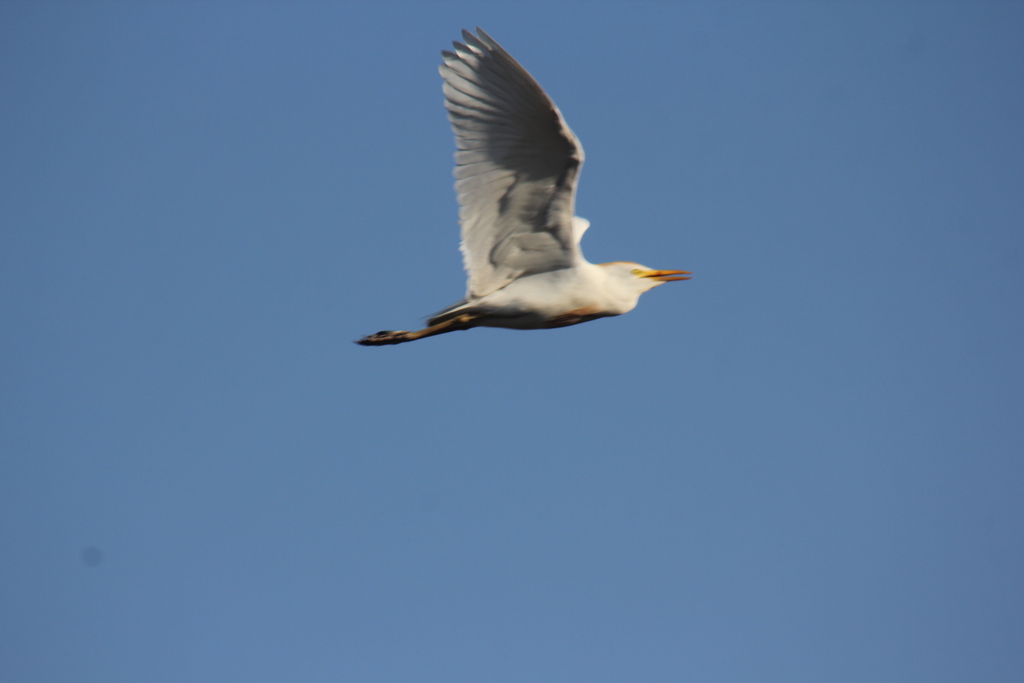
(516, 166)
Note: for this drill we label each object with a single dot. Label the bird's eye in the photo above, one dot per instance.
(637, 272)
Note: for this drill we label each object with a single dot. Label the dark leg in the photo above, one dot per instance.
(462, 322)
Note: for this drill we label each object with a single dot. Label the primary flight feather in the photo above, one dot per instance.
(516, 167)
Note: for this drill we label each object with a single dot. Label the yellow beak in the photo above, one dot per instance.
(664, 275)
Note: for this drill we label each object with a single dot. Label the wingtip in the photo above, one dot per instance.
(483, 35)
(476, 43)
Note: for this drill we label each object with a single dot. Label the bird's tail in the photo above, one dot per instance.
(452, 311)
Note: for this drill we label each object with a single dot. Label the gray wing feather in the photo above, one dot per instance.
(516, 166)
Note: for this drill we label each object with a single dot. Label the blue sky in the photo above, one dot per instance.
(805, 464)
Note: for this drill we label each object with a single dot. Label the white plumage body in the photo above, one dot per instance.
(555, 298)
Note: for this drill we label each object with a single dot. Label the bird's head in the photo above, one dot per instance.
(641, 278)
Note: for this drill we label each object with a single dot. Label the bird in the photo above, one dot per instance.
(517, 163)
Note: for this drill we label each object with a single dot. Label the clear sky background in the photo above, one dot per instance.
(806, 464)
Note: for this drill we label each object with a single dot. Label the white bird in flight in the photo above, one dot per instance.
(516, 167)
